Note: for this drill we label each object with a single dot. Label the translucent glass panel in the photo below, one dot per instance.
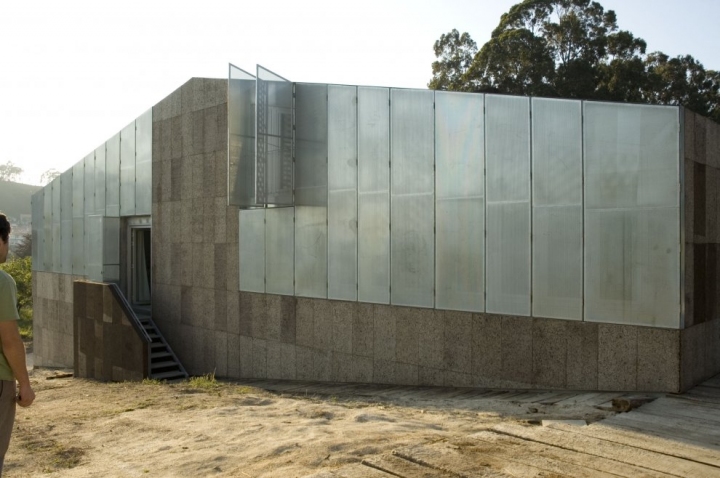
(36, 204)
(311, 251)
(252, 250)
(78, 217)
(311, 176)
(99, 181)
(143, 163)
(241, 138)
(112, 176)
(460, 205)
(632, 233)
(412, 244)
(57, 224)
(111, 249)
(342, 192)
(273, 151)
(47, 245)
(279, 251)
(89, 183)
(127, 170)
(373, 195)
(66, 218)
(311, 144)
(557, 209)
(94, 247)
(508, 205)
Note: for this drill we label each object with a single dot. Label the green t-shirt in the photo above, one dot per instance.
(8, 311)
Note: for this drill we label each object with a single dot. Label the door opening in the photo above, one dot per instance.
(140, 242)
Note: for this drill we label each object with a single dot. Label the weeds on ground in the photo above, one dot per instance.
(25, 323)
(204, 382)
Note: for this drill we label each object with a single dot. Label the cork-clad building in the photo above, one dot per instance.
(272, 229)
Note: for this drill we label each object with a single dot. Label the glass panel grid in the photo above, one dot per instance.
(143, 163)
(374, 195)
(342, 192)
(279, 251)
(252, 250)
(460, 205)
(127, 170)
(508, 205)
(557, 209)
(241, 138)
(112, 176)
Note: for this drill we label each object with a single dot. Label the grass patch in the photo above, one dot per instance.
(152, 382)
(204, 382)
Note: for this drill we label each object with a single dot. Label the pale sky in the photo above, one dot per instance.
(75, 72)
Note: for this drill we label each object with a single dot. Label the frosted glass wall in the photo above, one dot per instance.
(241, 138)
(632, 215)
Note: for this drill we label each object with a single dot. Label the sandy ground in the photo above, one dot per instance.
(79, 428)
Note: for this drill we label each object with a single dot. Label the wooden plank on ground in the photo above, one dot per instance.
(448, 458)
(548, 458)
(394, 465)
(653, 441)
(630, 455)
(683, 426)
(688, 411)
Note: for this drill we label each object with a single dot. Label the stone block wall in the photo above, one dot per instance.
(194, 232)
(106, 345)
(700, 344)
(53, 319)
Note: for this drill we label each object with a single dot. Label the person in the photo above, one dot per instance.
(12, 350)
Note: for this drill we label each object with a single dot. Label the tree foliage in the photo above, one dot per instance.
(571, 49)
(49, 175)
(21, 271)
(24, 248)
(10, 172)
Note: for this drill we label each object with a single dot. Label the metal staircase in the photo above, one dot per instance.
(164, 364)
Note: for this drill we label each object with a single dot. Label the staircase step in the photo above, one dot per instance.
(165, 364)
(169, 376)
(160, 355)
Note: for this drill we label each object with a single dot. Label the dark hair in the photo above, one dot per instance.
(4, 228)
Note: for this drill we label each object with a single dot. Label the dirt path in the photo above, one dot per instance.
(85, 428)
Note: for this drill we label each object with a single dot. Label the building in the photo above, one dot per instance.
(384, 235)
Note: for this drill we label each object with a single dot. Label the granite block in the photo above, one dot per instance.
(246, 356)
(232, 266)
(198, 227)
(322, 325)
(204, 265)
(281, 317)
(232, 225)
(517, 347)
(219, 227)
(384, 371)
(431, 376)
(304, 322)
(233, 311)
(304, 363)
(221, 178)
(700, 152)
(220, 305)
(274, 360)
(692, 355)
(341, 367)
(273, 319)
(458, 341)
(197, 164)
(689, 277)
(321, 365)
(549, 341)
(245, 313)
(362, 369)
(167, 107)
(407, 333)
(617, 357)
(176, 181)
(658, 362)
(288, 361)
(259, 358)
(181, 264)
(211, 129)
(258, 317)
(457, 379)
(406, 374)
(363, 331)
(689, 136)
(712, 348)
(383, 340)
(582, 356)
(203, 308)
(487, 346)
(221, 353)
(343, 315)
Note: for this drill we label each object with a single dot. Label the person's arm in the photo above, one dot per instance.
(14, 351)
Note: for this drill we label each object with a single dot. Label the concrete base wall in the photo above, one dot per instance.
(53, 319)
(106, 345)
(279, 337)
